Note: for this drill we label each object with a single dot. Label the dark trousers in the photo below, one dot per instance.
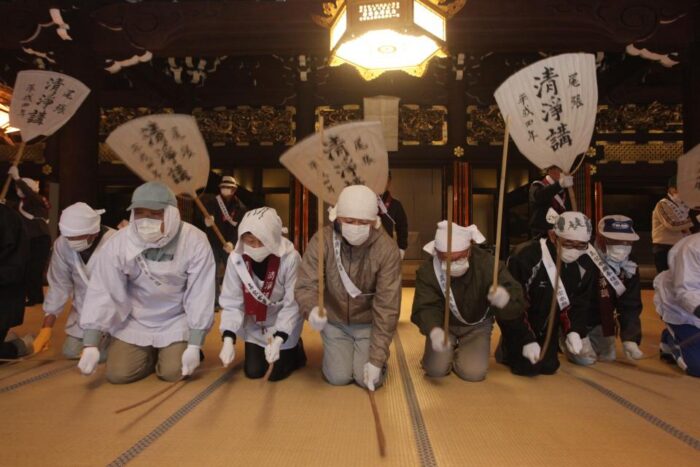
(256, 366)
(7, 349)
(39, 255)
(661, 256)
(510, 353)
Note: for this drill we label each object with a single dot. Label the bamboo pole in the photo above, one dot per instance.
(448, 265)
(321, 242)
(15, 163)
(552, 306)
(381, 440)
(206, 215)
(501, 196)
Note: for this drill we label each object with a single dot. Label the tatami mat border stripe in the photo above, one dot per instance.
(128, 455)
(654, 420)
(425, 449)
(34, 379)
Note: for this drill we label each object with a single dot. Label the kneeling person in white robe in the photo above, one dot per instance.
(257, 298)
(362, 294)
(74, 256)
(152, 289)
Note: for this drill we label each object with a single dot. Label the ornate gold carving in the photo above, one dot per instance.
(422, 125)
(32, 153)
(110, 119)
(245, 125)
(329, 11)
(631, 118)
(484, 125)
(336, 115)
(654, 151)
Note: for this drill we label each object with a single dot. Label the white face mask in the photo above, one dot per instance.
(149, 229)
(457, 268)
(19, 193)
(226, 191)
(355, 234)
(569, 255)
(618, 253)
(79, 245)
(256, 254)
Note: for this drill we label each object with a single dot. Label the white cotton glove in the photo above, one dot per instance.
(632, 350)
(317, 321)
(372, 375)
(574, 343)
(228, 351)
(272, 350)
(88, 360)
(499, 297)
(532, 352)
(13, 172)
(209, 221)
(190, 359)
(402, 253)
(228, 247)
(437, 340)
(566, 181)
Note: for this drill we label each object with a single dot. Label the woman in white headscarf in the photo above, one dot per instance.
(473, 306)
(257, 298)
(152, 290)
(74, 256)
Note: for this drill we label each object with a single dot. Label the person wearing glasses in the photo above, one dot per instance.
(362, 293)
(473, 306)
(533, 265)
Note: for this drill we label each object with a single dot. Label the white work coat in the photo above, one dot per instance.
(283, 317)
(68, 276)
(159, 304)
(677, 290)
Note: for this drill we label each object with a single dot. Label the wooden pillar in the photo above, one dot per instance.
(78, 140)
(305, 220)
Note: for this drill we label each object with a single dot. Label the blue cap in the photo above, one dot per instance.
(618, 227)
(153, 195)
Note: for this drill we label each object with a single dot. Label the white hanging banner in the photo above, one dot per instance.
(386, 110)
(166, 147)
(688, 177)
(351, 154)
(43, 101)
(552, 105)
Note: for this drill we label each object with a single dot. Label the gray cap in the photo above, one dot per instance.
(153, 195)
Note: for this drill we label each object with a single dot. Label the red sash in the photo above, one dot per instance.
(252, 306)
(606, 307)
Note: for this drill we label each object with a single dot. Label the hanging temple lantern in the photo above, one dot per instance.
(376, 36)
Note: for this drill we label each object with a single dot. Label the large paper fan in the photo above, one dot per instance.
(552, 106)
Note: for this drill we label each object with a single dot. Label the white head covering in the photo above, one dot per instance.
(171, 225)
(356, 202)
(266, 225)
(79, 219)
(462, 238)
(31, 183)
(570, 225)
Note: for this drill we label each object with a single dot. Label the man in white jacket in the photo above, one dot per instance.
(257, 298)
(677, 300)
(152, 289)
(74, 256)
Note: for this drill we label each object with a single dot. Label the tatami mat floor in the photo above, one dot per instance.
(611, 414)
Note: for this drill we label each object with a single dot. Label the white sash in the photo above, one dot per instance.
(143, 264)
(249, 283)
(350, 287)
(607, 271)
(440, 274)
(224, 211)
(27, 215)
(562, 297)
